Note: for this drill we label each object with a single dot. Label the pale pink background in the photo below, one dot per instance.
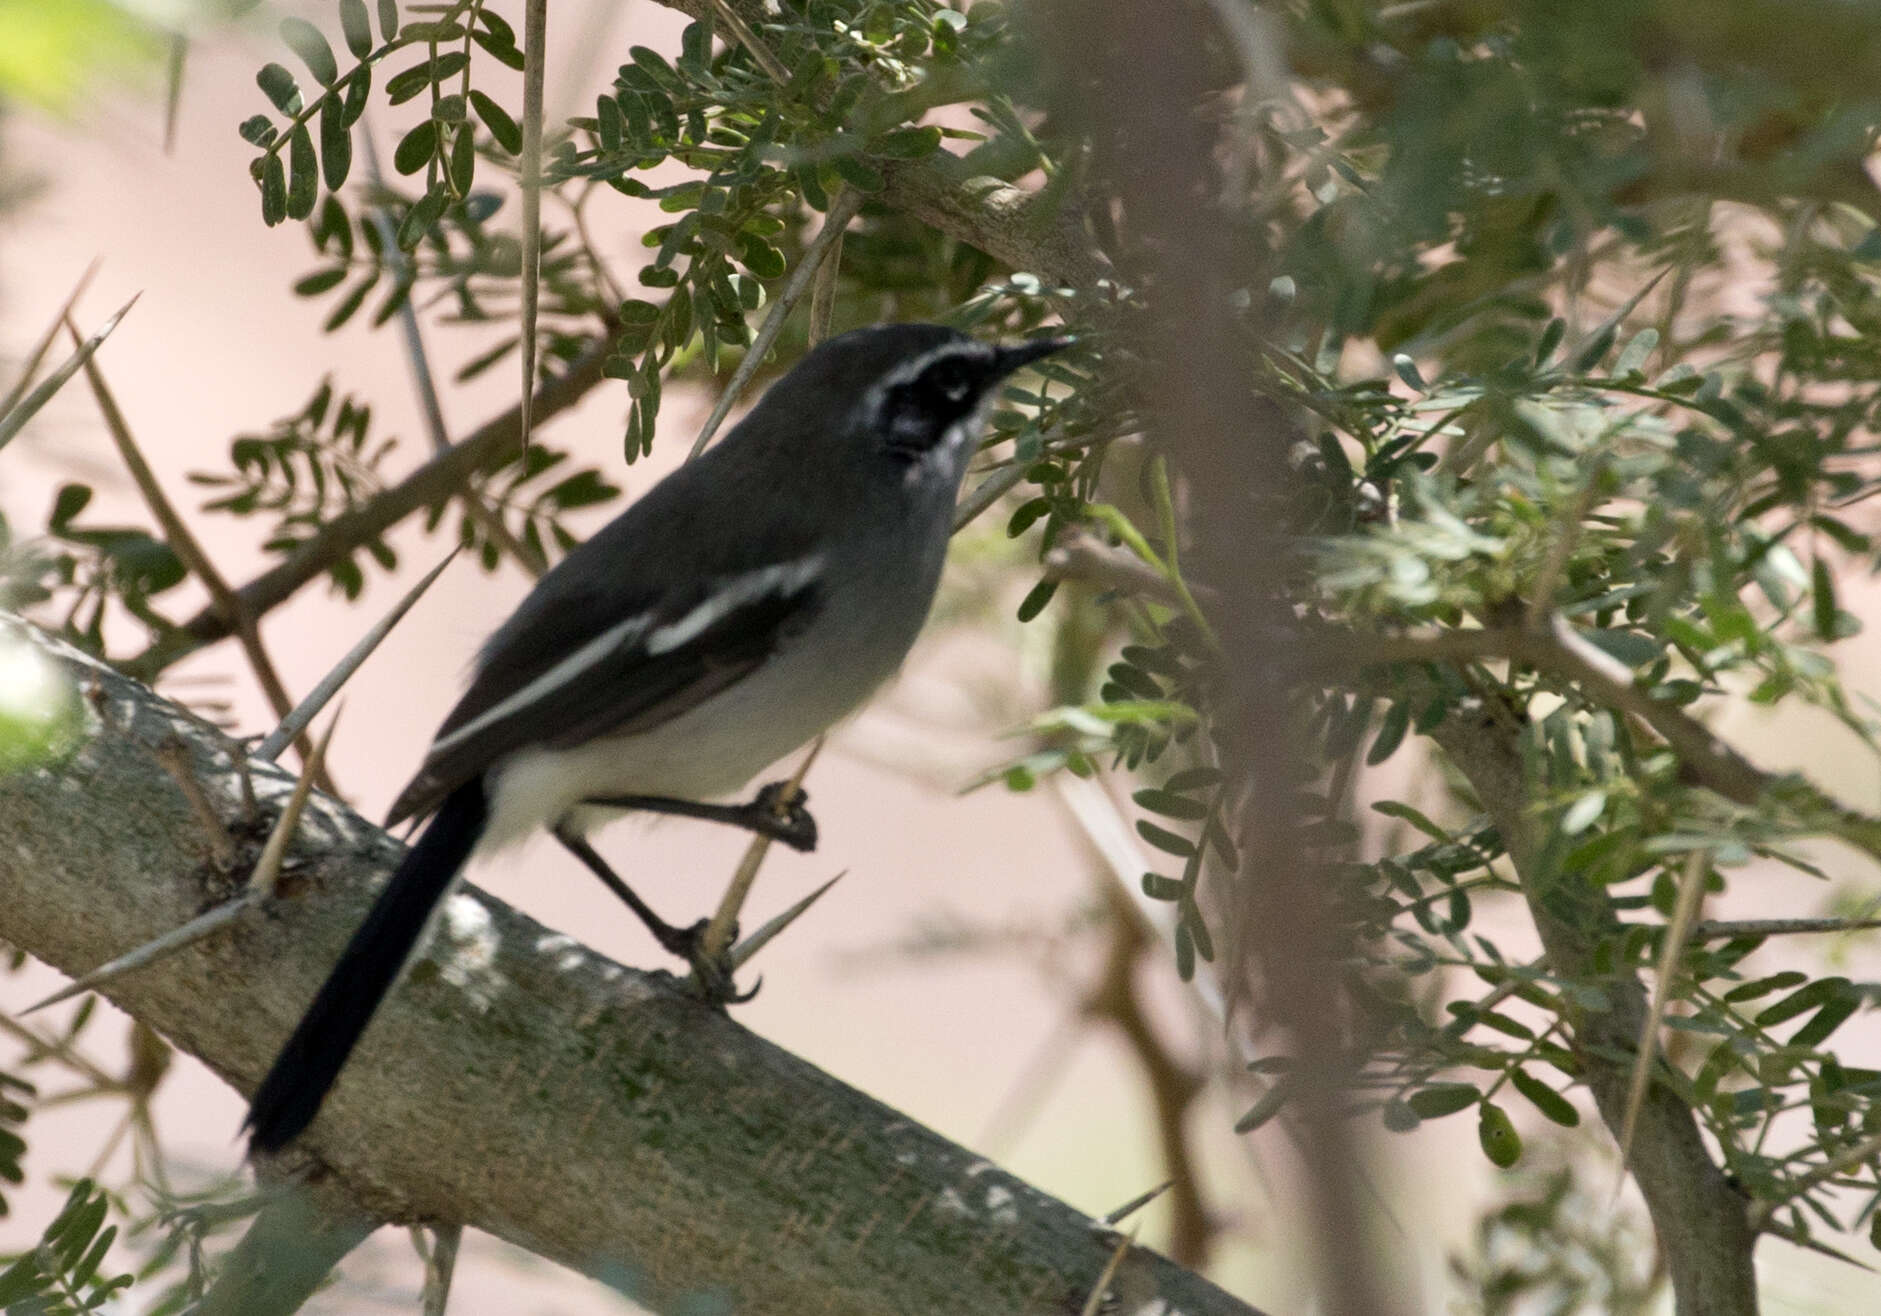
(219, 346)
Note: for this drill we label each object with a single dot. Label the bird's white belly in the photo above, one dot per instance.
(708, 752)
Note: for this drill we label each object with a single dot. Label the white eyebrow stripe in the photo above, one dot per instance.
(729, 595)
(566, 670)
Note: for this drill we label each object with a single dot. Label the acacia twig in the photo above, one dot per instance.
(842, 209)
(425, 381)
(724, 924)
(529, 173)
(1846, 1159)
(487, 447)
(182, 541)
(530, 1088)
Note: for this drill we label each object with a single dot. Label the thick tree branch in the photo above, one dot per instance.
(521, 1084)
(1703, 1223)
(1556, 648)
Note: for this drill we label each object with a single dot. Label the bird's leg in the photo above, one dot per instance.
(686, 943)
(774, 812)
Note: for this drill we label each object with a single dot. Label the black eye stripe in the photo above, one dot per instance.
(917, 412)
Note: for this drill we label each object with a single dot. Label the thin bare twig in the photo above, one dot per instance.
(41, 1046)
(823, 292)
(1558, 649)
(177, 534)
(173, 754)
(529, 170)
(329, 685)
(724, 924)
(987, 492)
(1677, 937)
(494, 442)
(1082, 557)
(486, 517)
(1723, 929)
(842, 209)
(1095, 1302)
(267, 874)
(752, 42)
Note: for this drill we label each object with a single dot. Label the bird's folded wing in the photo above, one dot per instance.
(577, 670)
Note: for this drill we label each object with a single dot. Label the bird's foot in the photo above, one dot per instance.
(711, 973)
(779, 812)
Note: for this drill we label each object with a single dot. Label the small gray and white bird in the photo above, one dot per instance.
(744, 604)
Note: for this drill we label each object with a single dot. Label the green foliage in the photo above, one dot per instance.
(538, 493)
(1579, 309)
(94, 566)
(310, 467)
(61, 1276)
(12, 1115)
(49, 53)
(1560, 1246)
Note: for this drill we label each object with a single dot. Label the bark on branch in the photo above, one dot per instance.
(519, 1083)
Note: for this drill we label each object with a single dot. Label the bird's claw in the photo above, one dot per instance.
(781, 808)
(711, 974)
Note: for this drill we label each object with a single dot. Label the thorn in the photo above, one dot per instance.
(309, 708)
(260, 885)
(267, 874)
(37, 356)
(15, 418)
(1138, 1202)
(157, 948)
(1095, 1303)
(758, 940)
(173, 756)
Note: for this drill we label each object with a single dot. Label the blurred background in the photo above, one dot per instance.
(956, 973)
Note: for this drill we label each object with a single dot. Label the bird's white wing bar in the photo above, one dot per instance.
(731, 593)
(568, 669)
(727, 595)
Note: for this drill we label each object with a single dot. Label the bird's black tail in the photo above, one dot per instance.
(290, 1095)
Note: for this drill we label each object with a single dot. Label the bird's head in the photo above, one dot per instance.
(903, 400)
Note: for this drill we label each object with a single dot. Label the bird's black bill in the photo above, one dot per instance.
(1020, 355)
(290, 1096)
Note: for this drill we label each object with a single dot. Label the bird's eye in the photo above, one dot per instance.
(917, 414)
(949, 382)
